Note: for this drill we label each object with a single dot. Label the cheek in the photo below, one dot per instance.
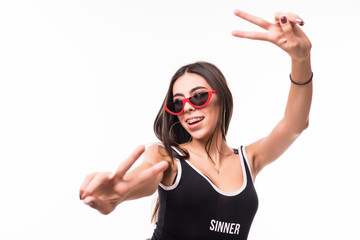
(214, 114)
(181, 119)
(214, 109)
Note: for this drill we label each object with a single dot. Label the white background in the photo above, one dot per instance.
(82, 81)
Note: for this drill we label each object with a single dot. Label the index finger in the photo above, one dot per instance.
(253, 19)
(129, 161)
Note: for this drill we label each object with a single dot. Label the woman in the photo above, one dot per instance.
(205, 187)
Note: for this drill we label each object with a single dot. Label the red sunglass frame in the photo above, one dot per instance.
(187, 100)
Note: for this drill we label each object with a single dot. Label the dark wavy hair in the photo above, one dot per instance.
(167, 127)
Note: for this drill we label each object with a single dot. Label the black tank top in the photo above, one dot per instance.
(194, 208)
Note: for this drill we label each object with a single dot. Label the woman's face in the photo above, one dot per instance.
(198, 122)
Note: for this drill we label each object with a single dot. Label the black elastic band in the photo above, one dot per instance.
(312, 74)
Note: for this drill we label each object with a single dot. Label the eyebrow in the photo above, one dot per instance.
(191, 91)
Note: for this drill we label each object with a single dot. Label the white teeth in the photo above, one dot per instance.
(193, 120)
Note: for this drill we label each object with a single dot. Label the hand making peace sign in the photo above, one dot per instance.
(104, 191)
(284, 33)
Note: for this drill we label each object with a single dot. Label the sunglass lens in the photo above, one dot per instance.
(175, 107)
(199, 99)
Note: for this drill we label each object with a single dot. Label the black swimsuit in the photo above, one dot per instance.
(194, 208)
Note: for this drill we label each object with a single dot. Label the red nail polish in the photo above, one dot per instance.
(283, 20)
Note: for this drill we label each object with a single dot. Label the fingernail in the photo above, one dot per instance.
(283, 20)
(90, 203)
(300, 22)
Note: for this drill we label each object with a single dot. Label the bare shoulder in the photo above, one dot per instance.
(156, 153)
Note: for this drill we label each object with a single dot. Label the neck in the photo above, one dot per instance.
(218, 149)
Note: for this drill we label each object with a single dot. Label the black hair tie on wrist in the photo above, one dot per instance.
(312, 74)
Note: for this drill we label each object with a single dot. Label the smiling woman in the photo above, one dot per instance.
(195, 80)
(206, 188)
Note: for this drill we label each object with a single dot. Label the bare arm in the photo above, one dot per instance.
(286, 34)
(104, 191)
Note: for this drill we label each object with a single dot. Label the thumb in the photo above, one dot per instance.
(149, 173)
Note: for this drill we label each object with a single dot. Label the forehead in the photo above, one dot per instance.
(189, 81)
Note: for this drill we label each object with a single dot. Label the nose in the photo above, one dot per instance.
(188, 107)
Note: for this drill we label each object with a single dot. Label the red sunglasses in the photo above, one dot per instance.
(199, 100)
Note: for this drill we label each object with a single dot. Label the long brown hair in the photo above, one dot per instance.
(167, 127)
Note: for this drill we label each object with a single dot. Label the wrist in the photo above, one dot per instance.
(301, 61)
(301, 70)
(302, 83)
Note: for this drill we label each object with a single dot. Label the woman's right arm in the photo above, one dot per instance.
(104, 191)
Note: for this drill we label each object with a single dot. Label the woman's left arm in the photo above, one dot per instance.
(286, 34)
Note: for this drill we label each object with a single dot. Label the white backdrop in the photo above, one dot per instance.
(81, 83)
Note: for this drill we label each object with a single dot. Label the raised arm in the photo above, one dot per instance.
(286, 34)
(104, 191)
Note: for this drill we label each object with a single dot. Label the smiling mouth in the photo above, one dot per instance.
(194, 120)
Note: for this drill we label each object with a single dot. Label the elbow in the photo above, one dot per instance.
(302, 127)
(296, 128)
(306, 125)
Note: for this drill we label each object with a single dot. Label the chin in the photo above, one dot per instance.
(200, 133)
(200, 136)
